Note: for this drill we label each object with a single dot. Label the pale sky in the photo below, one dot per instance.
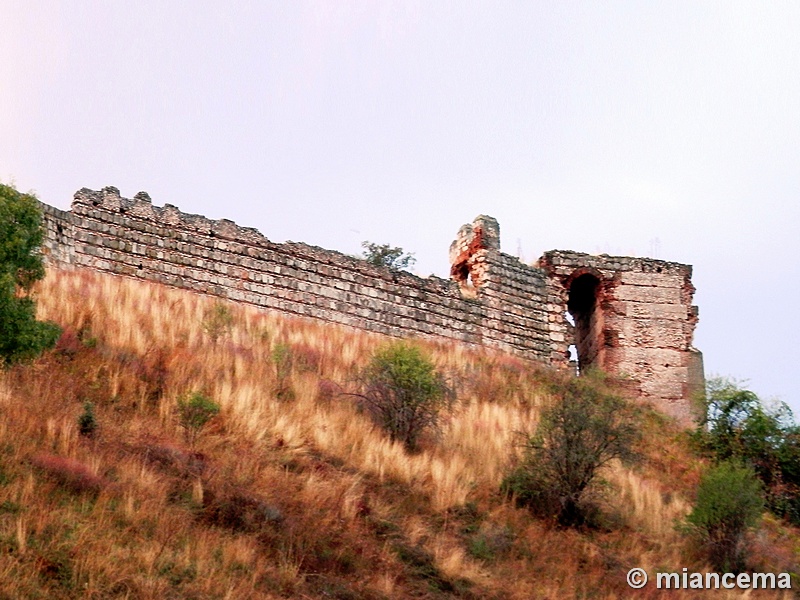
(638, 128)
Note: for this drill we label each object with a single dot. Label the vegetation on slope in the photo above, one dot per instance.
(21, 336)
(740, 427)
(290, 490)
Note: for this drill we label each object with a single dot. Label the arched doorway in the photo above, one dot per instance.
(583, 304)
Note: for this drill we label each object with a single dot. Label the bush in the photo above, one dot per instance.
(491, 542)
(195, 410)
(578, 435)
(729, 502)
(384, 255)
(737, 426)
(283, 357)
(404, 393)
(22, 337)
(87, 422)
(239, 512)
(217, 321)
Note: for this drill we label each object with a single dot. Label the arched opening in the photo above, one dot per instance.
(583, 304)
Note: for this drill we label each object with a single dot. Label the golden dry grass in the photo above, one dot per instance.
(290, 494)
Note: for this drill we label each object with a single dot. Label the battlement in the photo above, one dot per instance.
(629, 316)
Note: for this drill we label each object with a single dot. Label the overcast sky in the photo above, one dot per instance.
(639, 128)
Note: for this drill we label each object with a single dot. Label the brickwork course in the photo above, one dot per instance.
(632, 317)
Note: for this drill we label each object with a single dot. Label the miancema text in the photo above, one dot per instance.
(701, 581)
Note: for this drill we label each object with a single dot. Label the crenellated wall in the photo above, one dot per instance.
(633, 316)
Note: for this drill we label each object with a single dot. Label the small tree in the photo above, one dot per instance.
(578, 435)
(384, 255)
(87, 422)
(195, 410)
(22, 337)
(403, 392)
(729, 503)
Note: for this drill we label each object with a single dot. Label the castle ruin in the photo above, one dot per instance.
(632, 317)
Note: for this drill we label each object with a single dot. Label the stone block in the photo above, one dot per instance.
(651, 333)
(663, 389)
(651, 279)
(644, 310)
(648, 294)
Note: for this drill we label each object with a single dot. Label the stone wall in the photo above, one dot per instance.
(132, 237)
(636, 317)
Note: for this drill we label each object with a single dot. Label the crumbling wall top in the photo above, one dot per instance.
(558, 261)
(141, 206)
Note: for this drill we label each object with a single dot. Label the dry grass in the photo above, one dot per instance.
(289, 492)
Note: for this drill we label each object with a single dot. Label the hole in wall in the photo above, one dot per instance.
(463, 275)
(582, 306)
(461, 272)
(569, 320)
(470, 281)
(573, 358)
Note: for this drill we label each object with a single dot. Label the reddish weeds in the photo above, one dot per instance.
(68, 343)
(69, 473)
(172, 458)
(306, 357)
(327, 390)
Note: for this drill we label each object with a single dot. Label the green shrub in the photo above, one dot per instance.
(195, 410)
(578, 435)
(22, 337)
(738, 426)
(404, 393)
(729, 503)
(87, 422)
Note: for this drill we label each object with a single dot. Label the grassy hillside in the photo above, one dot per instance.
(289, 491)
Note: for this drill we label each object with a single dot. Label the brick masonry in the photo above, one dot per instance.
(632, 316)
